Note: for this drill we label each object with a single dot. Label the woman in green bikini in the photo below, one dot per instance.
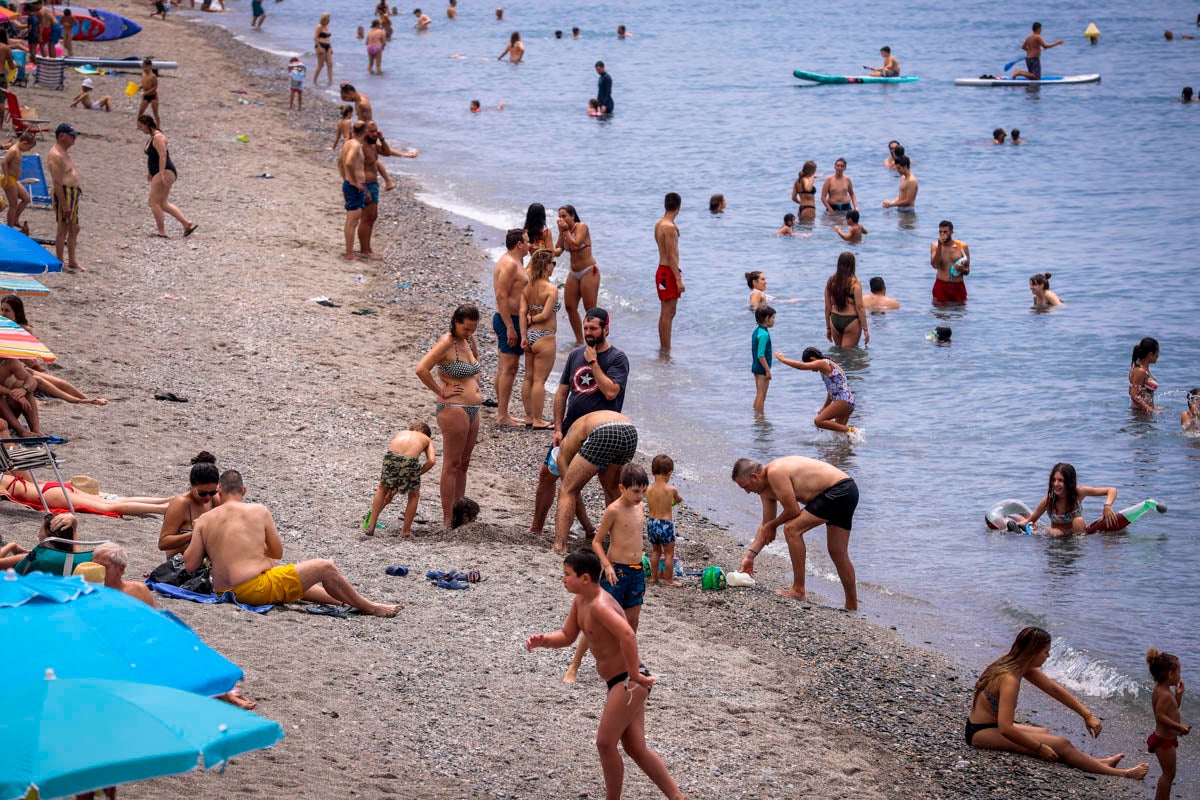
(845, 314)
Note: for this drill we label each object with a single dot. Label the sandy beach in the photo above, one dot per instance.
(758, 696)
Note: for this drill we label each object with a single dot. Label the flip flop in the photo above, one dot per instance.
(397, 570)
(56, 440)
(327, 611)
(171, 396)
(453, 585)
(191, 230)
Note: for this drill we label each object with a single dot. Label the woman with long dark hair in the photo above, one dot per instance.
(990, 724)
(583, 281)
(455, 355)
(1141, 383)
(1063, 502)
(183, 509)
(845, 314)
(804, 191)
(540, 237)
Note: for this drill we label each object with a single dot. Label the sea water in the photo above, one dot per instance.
(1104, 194)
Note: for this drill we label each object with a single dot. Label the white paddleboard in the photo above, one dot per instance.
(1047, 80)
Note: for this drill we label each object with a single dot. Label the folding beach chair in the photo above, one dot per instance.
(19, 58)
(31, 167)
(30, 453)
(49, 73)
(16, 123)
(57, 556)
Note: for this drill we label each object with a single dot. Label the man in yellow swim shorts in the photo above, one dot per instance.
(241, 541)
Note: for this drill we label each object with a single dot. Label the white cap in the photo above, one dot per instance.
(87, 84)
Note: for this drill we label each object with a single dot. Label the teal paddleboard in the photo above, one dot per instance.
(817, 77)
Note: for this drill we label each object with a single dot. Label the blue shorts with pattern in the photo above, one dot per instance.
(631, 585)
(660, 531)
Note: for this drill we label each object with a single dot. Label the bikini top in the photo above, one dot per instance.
(812, 191)
(458, 368)
(191, 521)
(324, 35)
(557, 306)
(1063, 519)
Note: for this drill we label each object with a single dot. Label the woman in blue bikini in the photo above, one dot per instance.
(990, 724)
(456, 358)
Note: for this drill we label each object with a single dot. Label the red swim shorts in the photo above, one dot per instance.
(1156, 742)
(947, 292)
(664, 282)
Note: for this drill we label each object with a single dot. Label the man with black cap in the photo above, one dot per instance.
(66, 193)
(593, 379)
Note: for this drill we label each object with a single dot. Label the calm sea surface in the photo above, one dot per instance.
(1105, 195)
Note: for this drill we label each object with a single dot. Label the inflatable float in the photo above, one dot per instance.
(817, 77)
(1046, 80)
(1007, 515)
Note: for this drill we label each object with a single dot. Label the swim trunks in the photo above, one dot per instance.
(277, 585)
(256, 9)
(610, 443)
(9, 180)
(70, 213)
(373, 193)
(1034, 65)
(624, 676)
(1155, 742)
(947, 292)
(630, 588)
(502, 335)
(660, 531)
(355, 197)
(664, 282)
(836, 504)
(841, 207)
(401, 473)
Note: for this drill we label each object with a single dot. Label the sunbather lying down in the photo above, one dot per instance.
(19, 487)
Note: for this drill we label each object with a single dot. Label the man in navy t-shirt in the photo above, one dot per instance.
(604, 89)
(593, 379)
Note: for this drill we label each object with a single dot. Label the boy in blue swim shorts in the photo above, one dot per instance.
(621, 572)
(661, 498)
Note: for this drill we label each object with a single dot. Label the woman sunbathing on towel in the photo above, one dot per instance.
(19, 487)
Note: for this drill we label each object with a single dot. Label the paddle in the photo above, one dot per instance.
(1010, 64)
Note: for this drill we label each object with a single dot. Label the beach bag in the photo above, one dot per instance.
(199, 581)
(713, 579)
(170, 572)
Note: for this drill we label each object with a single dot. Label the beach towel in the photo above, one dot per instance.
(196, 597)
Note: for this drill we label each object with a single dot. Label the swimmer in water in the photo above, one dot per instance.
(1063, 503)
(894, 149)
(515, 50)
(758, 291)
(1186, 95)
(1015, 137)
(1141, 383)
(716, 204)
(1189, 420)
(476, 107)
(839, 400)
(998, 136)
(906, 196)
(878, 300)
(789, 226)
(1042, 296)
(854, 229)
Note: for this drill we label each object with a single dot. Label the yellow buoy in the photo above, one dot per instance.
(1092, 34)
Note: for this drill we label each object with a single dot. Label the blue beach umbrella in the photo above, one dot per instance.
(81, 630)
(63, 737)
(20, 254)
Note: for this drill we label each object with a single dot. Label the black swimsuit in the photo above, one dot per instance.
(152, 165)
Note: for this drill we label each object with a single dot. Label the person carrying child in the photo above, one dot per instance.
(614, 642)
(622, 576)
(402, 471)
(661, 498)
(1167, 697)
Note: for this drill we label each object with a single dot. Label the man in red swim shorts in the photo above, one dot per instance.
(952, 260)
(668, 280)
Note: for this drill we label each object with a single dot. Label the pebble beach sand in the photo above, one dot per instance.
(758, 696)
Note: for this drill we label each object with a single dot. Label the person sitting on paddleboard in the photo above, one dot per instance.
(1063, 503)
(890, 68)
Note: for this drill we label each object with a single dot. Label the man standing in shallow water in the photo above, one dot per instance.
(830, 498)
(668, 279)
(906, 196)
(604, 89)
(952, 260)
(837, 192)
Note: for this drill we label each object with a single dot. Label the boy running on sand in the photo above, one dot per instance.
(1168, 694)
(402, 471)
(661, 498)
(623, 577)
(614, 642)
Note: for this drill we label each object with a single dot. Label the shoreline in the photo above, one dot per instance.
(839, 706)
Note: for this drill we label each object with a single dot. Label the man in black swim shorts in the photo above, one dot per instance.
(830, 497)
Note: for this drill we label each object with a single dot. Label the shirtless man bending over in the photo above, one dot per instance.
(242, 543)
(830, 497)
(600, 439)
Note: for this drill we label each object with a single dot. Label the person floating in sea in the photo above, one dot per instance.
(855, 230)
(1033, 46)
(837, 192)
(839, 400)
(890, 67)
(1141, 383)
(760, 352)
(1189, 420)
(716, 204)
(878, 299)
(1042, 296)
(1015, 137)
(789, 226)
(990, 724)
(1167, 696)
(952, 260)
(1186, 95)
(624, 34)
(668, 278)
(614, 643)
(604, 89)
(1063, 504)
(998, 136)
(906, 197)
(476, 108)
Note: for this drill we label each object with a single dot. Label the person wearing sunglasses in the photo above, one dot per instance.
(183, 509)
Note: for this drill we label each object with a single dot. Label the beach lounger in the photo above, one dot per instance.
(31, 167)
(57, 556)
(15, 123)
(30, 453)
(49, 73)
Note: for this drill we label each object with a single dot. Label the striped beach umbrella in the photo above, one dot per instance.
(16, 342)
(22, 285)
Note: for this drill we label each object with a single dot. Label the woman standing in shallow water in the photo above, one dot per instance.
(324, 49)
(456, 358)
(1141, 383)
(583, 282)
(990, 723)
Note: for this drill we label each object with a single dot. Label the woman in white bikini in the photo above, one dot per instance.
(584, 278)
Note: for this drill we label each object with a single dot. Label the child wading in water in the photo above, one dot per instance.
(614, 643)
(760, 354)
(623, 576)
(839, 400)
(1168, 694)
(402, 471)
(661, 498)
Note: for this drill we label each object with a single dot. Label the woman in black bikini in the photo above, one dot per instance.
(183, 509)
(324, 49)
(161, 173)
(583, 281)
(845, 314)
(990, 724)
(804, 191)
(149, 90)
(456, 357)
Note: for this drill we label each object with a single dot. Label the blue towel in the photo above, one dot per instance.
(196, 597)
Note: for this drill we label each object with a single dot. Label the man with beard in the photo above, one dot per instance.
(374, 146)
